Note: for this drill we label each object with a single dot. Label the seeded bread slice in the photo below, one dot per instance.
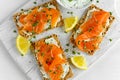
(68, 75)
(82, 20)
(17, 15)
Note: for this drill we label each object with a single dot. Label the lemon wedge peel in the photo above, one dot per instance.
(79, 62)
(22, 44)
(70, 23)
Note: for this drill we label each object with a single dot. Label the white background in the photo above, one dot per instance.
(107, 68)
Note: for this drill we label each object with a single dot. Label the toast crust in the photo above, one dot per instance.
(69, 74)
(82, 20)
(53, 2)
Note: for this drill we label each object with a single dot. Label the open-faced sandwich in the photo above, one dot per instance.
(51, 59)
(38, 19)
(91, 29)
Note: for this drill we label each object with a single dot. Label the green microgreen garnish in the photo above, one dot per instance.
(14, 31)
(110, 13)
(67, 44)
(35, 2)
(78, 52)
(70, 0)
(42, 54)
(35, 24)
(73, 52)
(66, 50)
(97, 1)
(73, 46)
(69, 12)
(110, 40)
(22, 9)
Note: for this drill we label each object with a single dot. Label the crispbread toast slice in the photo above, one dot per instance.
(68, 75)
(82, 20)
(25, 33)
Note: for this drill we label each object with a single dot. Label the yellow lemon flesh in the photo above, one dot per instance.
(22, 44)
(79, 62)
(70, 23)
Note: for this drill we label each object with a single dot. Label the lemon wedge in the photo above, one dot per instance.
(22, 44)
(79, 62)
(70, 23)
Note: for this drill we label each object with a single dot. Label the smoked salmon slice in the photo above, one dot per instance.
(91, 29)
(51, 58)
(35, 21)
(38, 19)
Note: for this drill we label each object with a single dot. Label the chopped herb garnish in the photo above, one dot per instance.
(42, 54)
(46, 5)
(49, 9)
(110, 13)
(78, 52)
(55, 72)
(47, 36)
(33, 32)
(66, 50)
(65, 32)
(35, 2)
(46, 15)
(36, 51)
(35, 15)
(67, 44)
(73, 52)
(73, 46)
(49, 27)
(48, 20)
(70, 0)
(34, 36)
(50, 70)
(35, 24)
(14, 31)
(22, 9)
(90, 29)
(29, 11)
(69, 12)
(30, 41)
(22, 55)
(47, 43)
(97, 1)
(110, 40)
